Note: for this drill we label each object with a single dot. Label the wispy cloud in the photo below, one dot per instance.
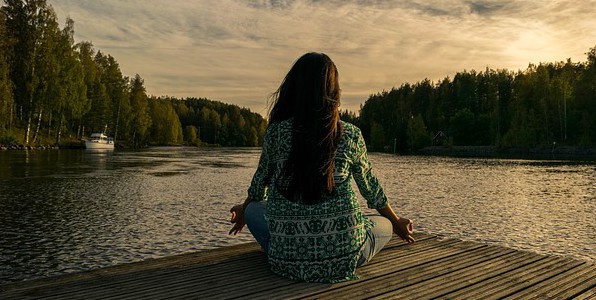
(238, 51)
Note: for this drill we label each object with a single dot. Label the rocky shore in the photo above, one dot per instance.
(23, 147)
(66, 145)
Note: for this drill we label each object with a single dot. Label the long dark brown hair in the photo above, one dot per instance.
(310, 95)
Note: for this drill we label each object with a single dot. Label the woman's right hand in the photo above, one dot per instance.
(404, 228)
(237, 219)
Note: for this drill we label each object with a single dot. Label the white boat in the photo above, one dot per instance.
(99, 141)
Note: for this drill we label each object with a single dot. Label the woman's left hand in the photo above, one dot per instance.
(237, 219)
(403, 227)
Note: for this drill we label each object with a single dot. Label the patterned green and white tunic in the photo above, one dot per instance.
(321, 242)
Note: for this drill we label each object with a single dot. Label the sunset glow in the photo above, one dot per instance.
(238, 51)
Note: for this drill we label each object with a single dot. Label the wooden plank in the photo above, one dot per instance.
(209, 272)
(435, 287)
(590, 294)
(411, 253)
(247, 288)
(207, 276)
(199, 286)
(217, 282)
(106, 277)
(431, 268)
(569, 280)
(513, 280)
(583, 290)
(216, 277)
(205, 257)
(415, 259)
(378, 267)
(533, 278)
(80, 285)
(239, 267)
(372, 277)
(390, 281)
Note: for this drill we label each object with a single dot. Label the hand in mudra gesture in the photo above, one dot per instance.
(404, 228)
(237, 219)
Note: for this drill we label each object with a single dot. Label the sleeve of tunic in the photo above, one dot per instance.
(262, 177)
(367, 182)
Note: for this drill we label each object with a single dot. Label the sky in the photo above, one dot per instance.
(238, 51)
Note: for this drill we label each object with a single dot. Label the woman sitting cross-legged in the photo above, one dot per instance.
(301, 207)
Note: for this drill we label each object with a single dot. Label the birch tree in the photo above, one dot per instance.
(6, 97)
(29, 23)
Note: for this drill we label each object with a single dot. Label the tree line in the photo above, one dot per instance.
(52, 88)
(546, 104)
(219, 123)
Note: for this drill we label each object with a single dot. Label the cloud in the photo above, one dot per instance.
(238, 51)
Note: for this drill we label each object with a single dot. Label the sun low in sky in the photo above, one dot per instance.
(237, 51)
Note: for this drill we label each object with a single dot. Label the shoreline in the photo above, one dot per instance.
(547, 153)
(81, 146)
(28, 147)
(553, 153)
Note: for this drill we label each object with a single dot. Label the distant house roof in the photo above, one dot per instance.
(440, 136)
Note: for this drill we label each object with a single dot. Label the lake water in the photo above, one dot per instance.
(64, 211)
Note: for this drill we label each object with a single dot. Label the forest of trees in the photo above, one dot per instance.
(52, 89)
(545, 104)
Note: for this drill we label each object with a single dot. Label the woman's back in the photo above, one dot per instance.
(312, 226)
(317, 242)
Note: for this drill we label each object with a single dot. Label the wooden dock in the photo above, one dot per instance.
(431, 268)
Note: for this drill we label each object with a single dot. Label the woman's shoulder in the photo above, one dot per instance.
(350, 130)
(280, 125)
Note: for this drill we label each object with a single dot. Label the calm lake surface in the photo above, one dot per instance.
(64, 211)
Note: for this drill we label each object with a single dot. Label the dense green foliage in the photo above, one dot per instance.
(51, 87)
(218, 123)
(545, 104)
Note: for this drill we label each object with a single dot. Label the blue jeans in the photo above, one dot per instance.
(377, 237)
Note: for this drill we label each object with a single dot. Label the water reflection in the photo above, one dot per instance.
(542, 206)
(67, 211)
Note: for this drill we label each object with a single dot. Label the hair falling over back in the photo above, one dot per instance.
(310, 95)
